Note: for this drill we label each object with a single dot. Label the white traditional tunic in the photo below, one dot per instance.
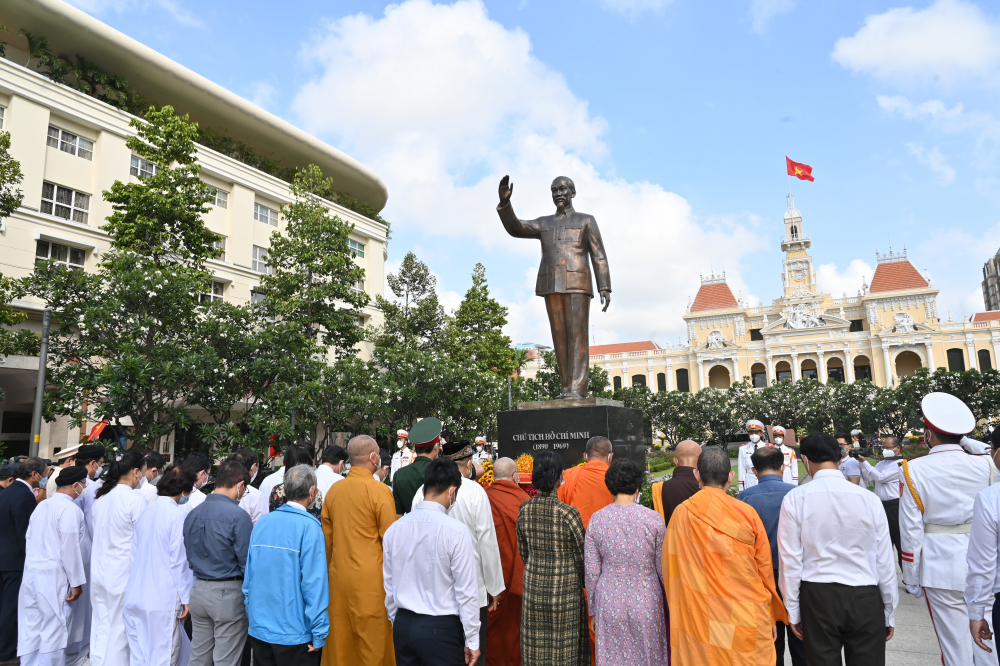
(159, 583)
(934, 543)
(401, 459)
(250, 502)
(53, 564)
(115, 515)
(472, 509)
(196, 498)
(82, 610)
(148, 490)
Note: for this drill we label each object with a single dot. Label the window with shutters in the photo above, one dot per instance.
(65, 203)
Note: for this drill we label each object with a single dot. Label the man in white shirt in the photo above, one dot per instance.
(472, 509)
(202, 467)
(887, 476)
(935, 521)
(404, 456)
(155, 464)
(429, 573)
(332, 469)
(745, 476)
(848, 466)
(251, 500)
(835, 563)
(983, 580)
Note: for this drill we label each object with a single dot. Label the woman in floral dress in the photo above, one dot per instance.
(622, 553)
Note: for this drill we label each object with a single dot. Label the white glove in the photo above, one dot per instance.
(916, 591)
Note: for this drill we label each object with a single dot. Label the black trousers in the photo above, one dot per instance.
(836, 617)
(271, 654)
(428, 640)
(996, 619)
(10, 585)
(795, 646)
(483, 614)
(892, 515)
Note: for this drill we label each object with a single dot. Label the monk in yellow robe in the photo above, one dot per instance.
(584, 488)
(719, 575)
(356, 514)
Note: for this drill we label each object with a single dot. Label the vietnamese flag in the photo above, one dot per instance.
(800, 171)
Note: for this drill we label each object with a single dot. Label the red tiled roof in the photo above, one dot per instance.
(896, 276)
(713, 297)
(622, 347)
(986, 316)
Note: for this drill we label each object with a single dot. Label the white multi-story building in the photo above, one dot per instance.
(71, 147)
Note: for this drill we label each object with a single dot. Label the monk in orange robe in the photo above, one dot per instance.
(720, 580)
(503, 640)
(584, 488)
(356, 514)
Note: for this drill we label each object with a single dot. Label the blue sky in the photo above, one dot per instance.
(672, 117)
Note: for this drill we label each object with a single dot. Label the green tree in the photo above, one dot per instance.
(671, 414)
(37, 48)
(416, 319)
(14, 341)
(475, 331)
(10, 177)
(128, 340)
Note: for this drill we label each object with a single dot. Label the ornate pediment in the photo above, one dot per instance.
(800, 320)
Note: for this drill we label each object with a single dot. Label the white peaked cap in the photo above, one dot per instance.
(946, 414)
(402, 433)
(480, 440)
(754, 423)
(777, 430)
(67, 452)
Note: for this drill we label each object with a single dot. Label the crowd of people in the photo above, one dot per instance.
(371, 559)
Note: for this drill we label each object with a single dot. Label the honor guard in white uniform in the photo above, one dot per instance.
(404, 456)
(747, 479)
(481, 456)
(936, 510)
(791, 474)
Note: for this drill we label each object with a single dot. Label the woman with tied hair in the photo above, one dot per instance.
(117, 507)
(550, 538)
(623, 553)
(159, 584)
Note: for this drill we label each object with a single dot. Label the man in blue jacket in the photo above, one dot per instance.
(286, 579)
(766, 497)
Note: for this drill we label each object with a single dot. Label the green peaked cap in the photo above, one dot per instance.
(425, 432)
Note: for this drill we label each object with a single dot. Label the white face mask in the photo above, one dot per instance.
(400, 443)
(479, 448)
(888, 453)
(754, 438)
(142, 482)
(778, 441)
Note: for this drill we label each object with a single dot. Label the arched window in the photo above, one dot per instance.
(956, 360)
(618, 383)
(984, 360)
(682, 380)
(638, 380)
(661, 381)
(795, 231)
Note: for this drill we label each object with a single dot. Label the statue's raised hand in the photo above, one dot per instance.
(506, 190)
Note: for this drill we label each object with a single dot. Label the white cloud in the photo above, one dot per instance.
(933, 160)
(937, 113)
(262, 93)
(835, 282)
(180, 14)
(633, 8)
(763, 11)
(442, 101)
(934, 109)
(949, 41)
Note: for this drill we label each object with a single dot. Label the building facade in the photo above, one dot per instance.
(888, 329)
(71, 147)
(991, 283)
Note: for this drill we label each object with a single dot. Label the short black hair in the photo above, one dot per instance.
(30, 466)
(176, 480)
(129, 461)
(231, 473)
(714, 467)
(767, 459)
(624, 477)
(546, 471)
(386, 458)
(334, 454)
(298, 454)
(197, 462)
(155, 459)
(441, 475)
(846, 436)
(246, 457)
(819, 447)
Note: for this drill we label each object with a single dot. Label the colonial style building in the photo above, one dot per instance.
(71, 147)
(888, 329)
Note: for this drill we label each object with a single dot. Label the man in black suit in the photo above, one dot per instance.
(571, 241)
(17, 503)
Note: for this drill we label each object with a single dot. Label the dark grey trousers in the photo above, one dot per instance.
(218, 622)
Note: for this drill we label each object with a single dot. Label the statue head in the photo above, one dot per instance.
(563, 191)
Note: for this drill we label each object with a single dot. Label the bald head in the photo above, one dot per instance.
(503, 469)
(360, 448)
(687, 453)
(598, 448)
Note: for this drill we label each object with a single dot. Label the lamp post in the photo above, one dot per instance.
(36, 415)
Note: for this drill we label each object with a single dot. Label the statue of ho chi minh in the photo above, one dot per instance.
(570, 241)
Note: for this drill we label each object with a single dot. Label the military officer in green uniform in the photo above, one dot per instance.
(425, 438)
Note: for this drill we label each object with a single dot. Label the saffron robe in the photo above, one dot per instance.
(720, 583)
(356, 514)
(503, 640)
(585, 489)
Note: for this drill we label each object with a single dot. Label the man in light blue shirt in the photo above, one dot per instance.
(429, 573)
(286, 579)
(765, 497)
